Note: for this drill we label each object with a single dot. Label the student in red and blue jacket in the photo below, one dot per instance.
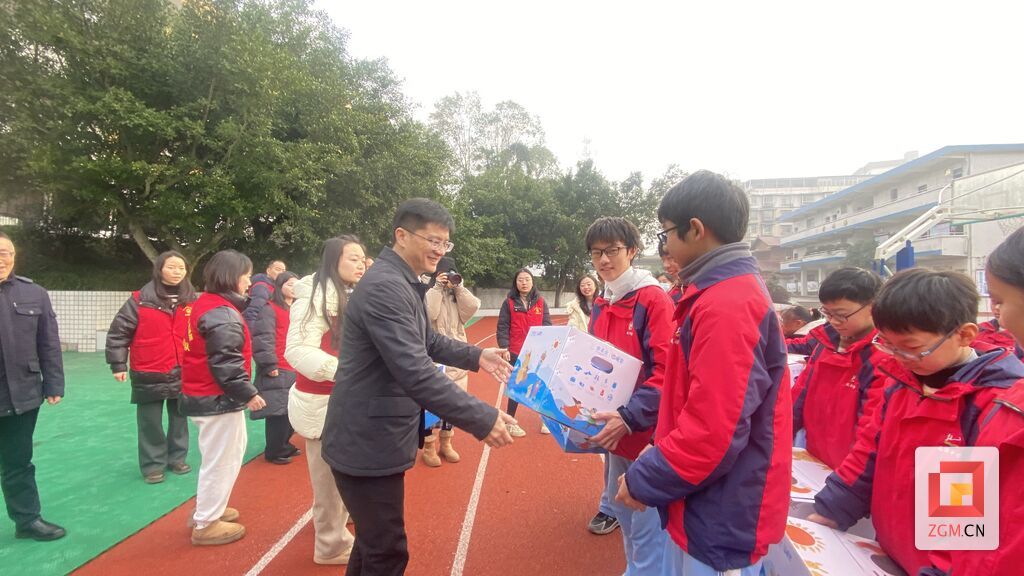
(720, 469)
(995, 334)
(836, 392)
(1003, 426)
(634, 316)
(522, 309)
(147, 335)
(936, 393)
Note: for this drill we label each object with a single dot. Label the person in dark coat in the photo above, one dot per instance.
(386, 376)
(274, 375)
(31, 369)
(215, 388)
(149, 329)
(262, 289)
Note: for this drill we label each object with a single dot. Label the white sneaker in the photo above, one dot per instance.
(544, 429)
(516, 431)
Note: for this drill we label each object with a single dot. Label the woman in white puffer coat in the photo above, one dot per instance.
(314, 335)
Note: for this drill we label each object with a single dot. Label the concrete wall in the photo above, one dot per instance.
(84, 317)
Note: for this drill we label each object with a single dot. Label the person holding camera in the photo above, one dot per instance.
(449, 306)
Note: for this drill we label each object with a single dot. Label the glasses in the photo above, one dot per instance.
(439, 245)
(6, 254)
(891, 350)
(612, 252)
(663, 236)
(841, 318)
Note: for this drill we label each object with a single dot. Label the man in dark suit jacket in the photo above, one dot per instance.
(31, 368)
(386, 373)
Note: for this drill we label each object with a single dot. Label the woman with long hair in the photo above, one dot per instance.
(274, 375)
(580, 308)
(144, 343)
(522, 309)
(216, 388)
(314, 337)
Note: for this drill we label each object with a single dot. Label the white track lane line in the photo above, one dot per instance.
(280, 544)
(474, 499)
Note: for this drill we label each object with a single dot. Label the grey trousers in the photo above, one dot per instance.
(156, 449)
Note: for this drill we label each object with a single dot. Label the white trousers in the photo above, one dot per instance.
(222, 441)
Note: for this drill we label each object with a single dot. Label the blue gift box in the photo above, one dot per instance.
(572, 441)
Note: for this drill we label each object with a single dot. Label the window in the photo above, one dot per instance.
(766, 229)
(786, 202)
(958, 172)
(843, 208)
(922, 188)
(894, 194)
(810, 222)
(768, 201)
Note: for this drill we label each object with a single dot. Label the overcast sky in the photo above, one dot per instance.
(755, 90)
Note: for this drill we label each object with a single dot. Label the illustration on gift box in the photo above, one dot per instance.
(570, 376)
(814, 550)
(572, 441)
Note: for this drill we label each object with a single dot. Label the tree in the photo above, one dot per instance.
(861, 254)
(219, 123)
(477, 137)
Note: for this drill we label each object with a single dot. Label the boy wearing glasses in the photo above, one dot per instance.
(719, 470)
(936, 393)
(835, 394)
(634, 315)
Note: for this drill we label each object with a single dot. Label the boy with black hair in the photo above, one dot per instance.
(719, 470)
(634, 315)
(836, 392)
(936, 391)
(675, 292)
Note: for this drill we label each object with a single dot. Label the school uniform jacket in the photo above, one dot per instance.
(640, 325)
(720, 469)
(835, 394)
(878, 476)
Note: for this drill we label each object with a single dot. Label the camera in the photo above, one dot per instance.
(454, 277)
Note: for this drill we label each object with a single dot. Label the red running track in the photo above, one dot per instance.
(534, 504)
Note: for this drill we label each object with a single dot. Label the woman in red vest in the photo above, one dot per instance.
(274, 375)
(149, 328)
(216, 389)
(312, 350)
(523, 308)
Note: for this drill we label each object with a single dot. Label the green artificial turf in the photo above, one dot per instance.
(87, 469)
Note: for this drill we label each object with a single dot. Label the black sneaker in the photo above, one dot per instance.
(603, 524)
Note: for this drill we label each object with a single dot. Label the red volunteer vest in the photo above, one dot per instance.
(157, 344)
(196, 379)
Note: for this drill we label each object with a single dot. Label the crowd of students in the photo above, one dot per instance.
(698, 461)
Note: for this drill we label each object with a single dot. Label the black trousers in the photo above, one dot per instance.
(279, 432)
(17, 474)
(377, 506)
(512, 404)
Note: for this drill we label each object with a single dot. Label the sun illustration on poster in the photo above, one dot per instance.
(802, 538)
(815, 568)
(799, 488)
(804, 456)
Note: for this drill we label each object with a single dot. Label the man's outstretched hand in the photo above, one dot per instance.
(499, 435)
(495, 362)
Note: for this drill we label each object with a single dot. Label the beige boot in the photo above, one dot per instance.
(447, 452)
(430, 457)
(218, 533)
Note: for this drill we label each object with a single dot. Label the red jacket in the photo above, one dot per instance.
(1003, 428)
(884, 453)
(835, 395)
(515, 321)
(990, 333)
(211, 368)
(639, 324)
(720, 470)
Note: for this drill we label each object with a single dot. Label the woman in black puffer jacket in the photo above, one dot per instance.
(274, 375)
(147, 334)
